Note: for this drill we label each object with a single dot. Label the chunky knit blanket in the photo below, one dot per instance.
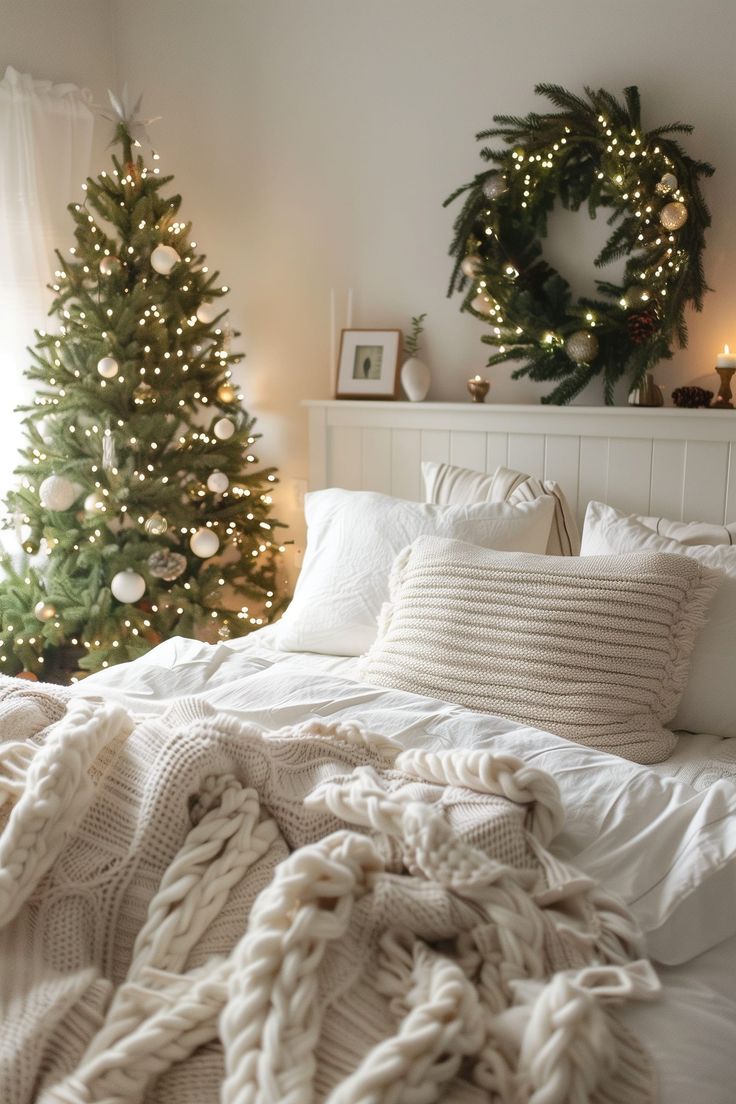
(195, 910)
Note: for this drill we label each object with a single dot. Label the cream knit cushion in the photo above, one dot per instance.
(448, 484)
(596, 650)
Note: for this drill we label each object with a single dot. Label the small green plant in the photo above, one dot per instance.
(411, 345)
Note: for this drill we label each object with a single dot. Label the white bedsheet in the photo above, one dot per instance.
(667, 848)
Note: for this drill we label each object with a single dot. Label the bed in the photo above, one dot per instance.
(660, 836)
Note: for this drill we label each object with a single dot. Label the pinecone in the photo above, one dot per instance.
(642, 324)
(691, 397)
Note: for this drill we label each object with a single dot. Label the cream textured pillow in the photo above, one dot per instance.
(709, 701)
(596, 650)
(449, 484)
(352, 539)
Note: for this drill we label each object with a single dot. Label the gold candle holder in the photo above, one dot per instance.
(724, 398)
(478, 388)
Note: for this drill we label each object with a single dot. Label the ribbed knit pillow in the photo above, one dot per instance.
(596, 650)
(449, 485)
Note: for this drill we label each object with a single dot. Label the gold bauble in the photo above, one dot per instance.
(156, 525)
(44, 611)
(667, 184)
(582, 347)
(673, 215)
(226, 393)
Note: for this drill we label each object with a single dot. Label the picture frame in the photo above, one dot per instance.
(368, 365)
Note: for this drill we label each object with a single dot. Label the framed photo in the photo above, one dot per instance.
(368, 367)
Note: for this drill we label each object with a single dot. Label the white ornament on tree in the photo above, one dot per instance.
(163, 259)
(44, 611)
(224, 428)
(204, 543)
(107, 367)
(481, 304)
(208, 312)
(470, 265)
(57, 493)
(128, 586)
(217, 482)
(94, 502)
(673, 215)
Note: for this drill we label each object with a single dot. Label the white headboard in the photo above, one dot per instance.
(674, 463)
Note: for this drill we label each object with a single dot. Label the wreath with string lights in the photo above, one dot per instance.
(591, 151)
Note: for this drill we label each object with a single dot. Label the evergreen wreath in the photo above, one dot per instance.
(591, 151)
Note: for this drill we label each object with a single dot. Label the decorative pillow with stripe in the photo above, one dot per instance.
(596, 650)
(447, 484)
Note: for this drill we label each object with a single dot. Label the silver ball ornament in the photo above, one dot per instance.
(204, 543)
(224, 429)
(156, 525)
(57, 493)
(128, 586)
(163, 259)
(207, 312)
(109, 266)
(44, 611)
(470, 265)
(108, 367)
(582, 347)
(494, 186)
(673, 215)
(217, 482)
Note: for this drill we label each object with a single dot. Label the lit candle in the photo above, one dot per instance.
(726, 359)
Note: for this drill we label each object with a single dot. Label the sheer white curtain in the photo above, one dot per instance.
(45, 146)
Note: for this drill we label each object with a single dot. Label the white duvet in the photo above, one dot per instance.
(667, 848)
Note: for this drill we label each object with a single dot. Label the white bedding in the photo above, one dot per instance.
(668, 848)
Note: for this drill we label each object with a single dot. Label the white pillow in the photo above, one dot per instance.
(709, 701)
(596, 650)
(450, 485)
(690, 532)
(352, 539)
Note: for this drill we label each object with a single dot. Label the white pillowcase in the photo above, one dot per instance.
(352, 540)
(708, 703)
(449, 485)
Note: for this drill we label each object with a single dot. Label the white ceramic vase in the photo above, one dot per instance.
(415, 379)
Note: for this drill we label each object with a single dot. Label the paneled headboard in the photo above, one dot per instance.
(675, 463)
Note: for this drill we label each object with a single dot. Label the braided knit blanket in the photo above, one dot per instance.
(195, 910)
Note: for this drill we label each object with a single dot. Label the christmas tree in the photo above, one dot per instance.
(140, 507)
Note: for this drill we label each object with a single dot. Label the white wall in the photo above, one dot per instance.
(314, 141)
(64, 41)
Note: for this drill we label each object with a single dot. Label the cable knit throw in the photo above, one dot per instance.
(195, 910)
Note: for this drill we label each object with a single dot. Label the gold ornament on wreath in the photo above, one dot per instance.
(226, 393)
(592, 152)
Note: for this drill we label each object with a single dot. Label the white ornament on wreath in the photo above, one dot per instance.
(224, 429)
(57, 493)
(217, 482)
(204, 543)
(164, 258)
(108, 367)
(128, 586)
(208, 312)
